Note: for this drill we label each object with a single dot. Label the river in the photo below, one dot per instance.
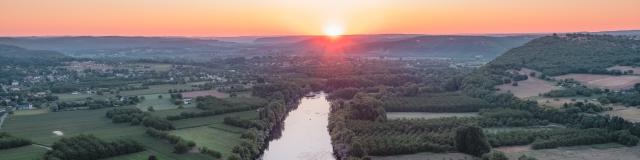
(305, 135)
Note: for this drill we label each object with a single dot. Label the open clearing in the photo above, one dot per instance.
(636, 70)
(428, 156)
(628, 113)
(528, 88)
(426, 115)
(604, 81)
(590, 152)
(194, 94)
(163, 103)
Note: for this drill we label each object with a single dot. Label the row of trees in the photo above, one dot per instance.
(180, 145)
(135, 116)
(436, 103)
(187, 115)
(242, 123)
(89, 147)
(97, 104)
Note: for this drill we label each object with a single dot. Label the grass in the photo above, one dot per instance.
(532, 128)
(163, 103)
(426, 115)
(39, 128)
(212, 138)
(427, 156)
(23, 153)
(159, 89)
(204, 121)
(587, 152)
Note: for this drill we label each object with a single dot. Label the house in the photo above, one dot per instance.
(187, 100)
(27, 106)
(15, 83)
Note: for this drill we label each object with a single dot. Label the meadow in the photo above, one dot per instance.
(426, 115)
(22, 153)
(604, 81)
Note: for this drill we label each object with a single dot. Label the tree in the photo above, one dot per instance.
(471, 140)
(150, 109)
(159, 96)
(152, 157)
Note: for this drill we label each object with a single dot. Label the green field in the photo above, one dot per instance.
(39, 128)
(158, 89)
(163, 103)
(23, 153)
(204, 121)
(427, 115)
(212, 138)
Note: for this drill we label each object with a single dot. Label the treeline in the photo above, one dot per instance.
(506, 117)
(88, 147)
(586, 137)
(8, 141)
(96, 104)
(627, 99)
(187, 115)
(213, 103)
(436, 103)
(573, 92)
(242, 123)
(135, 117)
(179, 145)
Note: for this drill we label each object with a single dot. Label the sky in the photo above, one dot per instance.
(306, 17)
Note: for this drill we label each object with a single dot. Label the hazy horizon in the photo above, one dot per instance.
(289, 17)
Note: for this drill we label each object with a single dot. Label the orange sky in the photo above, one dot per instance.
(287, 17)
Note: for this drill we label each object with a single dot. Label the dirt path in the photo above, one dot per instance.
(42, 146)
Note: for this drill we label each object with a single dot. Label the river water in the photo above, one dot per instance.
(305, 135)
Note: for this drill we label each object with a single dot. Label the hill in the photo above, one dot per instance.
(446, 46)
(573, 53)
(20, 56)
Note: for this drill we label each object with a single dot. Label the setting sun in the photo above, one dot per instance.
(333, 30)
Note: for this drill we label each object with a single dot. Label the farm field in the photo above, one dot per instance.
(204, 121)
(212, 138)
(39, 128)
(426, 115)
(528, 88)
(214, 93)
(163, 103)
(628, 113)
(603, 81)
(428, 156)
(22, 153)
(589, 152)
(163, 88)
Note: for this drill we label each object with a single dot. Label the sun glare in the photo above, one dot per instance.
(333, 30)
